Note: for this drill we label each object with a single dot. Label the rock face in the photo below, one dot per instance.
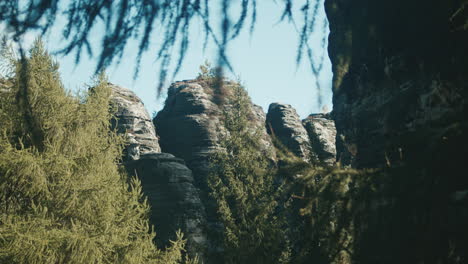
(322, 133)
(283, 122)
(166, 180)
(189, 125)
(396, 72)
(259, 121)
(133, 120)
(400, 79)
(175, 202)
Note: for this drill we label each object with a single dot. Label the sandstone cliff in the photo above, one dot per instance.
(283, 122)
(312, 139)
(322, 136)
(189, 125)
(175, 202)
(133, 120)
(166, 181)
(399, 95)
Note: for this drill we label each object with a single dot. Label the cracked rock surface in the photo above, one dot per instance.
(133, 120)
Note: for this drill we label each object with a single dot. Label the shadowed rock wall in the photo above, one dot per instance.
(166, 180)
(175, 202)
(399, 96)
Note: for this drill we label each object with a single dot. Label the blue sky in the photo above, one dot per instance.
(264, 61)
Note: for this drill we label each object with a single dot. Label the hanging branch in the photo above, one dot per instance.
(142, 20)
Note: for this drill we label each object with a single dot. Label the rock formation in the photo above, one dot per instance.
(397, 71)
(189, 125)
(133, 120)
(166, 181)
(259, 121)
(322, 133)
(282, 121)
(175, 202)
(400, 73)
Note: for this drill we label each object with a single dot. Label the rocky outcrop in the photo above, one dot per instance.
(190, 125)
(259, 121)
(322, 133)
(400, 75)
(166, 181)
(282, 121)
(397, 71)
(312, 139)
(133, 120)
(175, 202)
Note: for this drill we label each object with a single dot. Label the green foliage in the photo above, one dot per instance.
(321, 205)
(325, 202)
(63, 198)
(207, 72)
(342, 215)
(242, 186)
(214, 83)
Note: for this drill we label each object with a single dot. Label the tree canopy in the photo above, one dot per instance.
(241, 182)
(63, 197)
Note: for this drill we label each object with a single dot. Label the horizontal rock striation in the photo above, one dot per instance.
(283, 122)
(174, 200)
(322, 135)
(166, 180)
(133, 120)
(190, 125)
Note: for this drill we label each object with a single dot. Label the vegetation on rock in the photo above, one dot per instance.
(242, 185)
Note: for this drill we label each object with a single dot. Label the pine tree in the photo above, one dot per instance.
(242, 186)
(63, 197)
